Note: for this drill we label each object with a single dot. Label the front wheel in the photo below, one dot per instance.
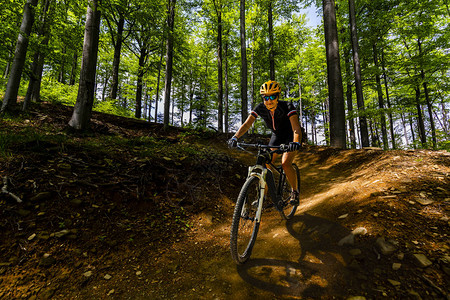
(288, 210)
(244, 227)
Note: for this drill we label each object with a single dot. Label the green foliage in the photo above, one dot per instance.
(56, 92)
(112, 106)
(410, 37)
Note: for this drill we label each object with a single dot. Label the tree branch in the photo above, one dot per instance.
(5, 190)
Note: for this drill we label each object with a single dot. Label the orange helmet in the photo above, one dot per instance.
(269, 88)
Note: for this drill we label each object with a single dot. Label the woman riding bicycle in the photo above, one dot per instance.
(282, 119)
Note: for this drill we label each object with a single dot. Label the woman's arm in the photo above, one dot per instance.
(296, 128)
(245, 126)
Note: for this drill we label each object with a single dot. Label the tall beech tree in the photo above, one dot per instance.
(218, 7)
(271, 49)
(244, 84)
(12, 87)
(335, 87)
(34, 85)
(380, 97)
(81, 116)
(357, 71)
(169, 60)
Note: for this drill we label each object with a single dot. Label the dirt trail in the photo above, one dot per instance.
(301, 258)
(97, 224)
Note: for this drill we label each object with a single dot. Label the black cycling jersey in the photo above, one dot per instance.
(279, 123)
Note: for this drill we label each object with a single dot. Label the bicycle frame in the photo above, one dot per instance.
(266, 179)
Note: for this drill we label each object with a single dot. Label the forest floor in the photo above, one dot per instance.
(130, 211)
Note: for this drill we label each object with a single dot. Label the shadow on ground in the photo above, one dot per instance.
(319, 267)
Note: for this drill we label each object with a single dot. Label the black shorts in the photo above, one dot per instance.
(278, 139)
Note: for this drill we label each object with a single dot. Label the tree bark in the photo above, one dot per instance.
(116, 60)
(336, 93)
(219, 68)
(427, 98)
(420, 121)
(357, 70)
(34, 86)
(86, 91)
(142, 59)
(12, 87)
(62, 71)
(300, 107)
(244, 86)
(8, 64)
(349, 94)
(405, 131)
(271, 51)
(226, 105)
(73, 69)
(158, 81)
(169, 61)
(380, 97)
(391, 121)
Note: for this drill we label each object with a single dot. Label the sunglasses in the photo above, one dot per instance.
(271, 97)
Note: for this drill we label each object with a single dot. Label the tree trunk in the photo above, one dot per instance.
(191, 98)
(12, 87)
(219, 71)
(86, 91)
(380, 97)
(173, 107)
(116, 61)
(142, 58)
(349, 94)
(158, 80)
(34, 86)
(300, 107)
(252, 75)
(405, 131)
(62, 72)
(446, 124)
(336, 93)
(421, 124)
(244, 99)
(105, 84)
(183, 98)
(326, 121)
(427, 98)
(204, 101)
(271, 50)
(169, 61)
(411, 126)
(73, 70)
(8, 64)
(391, 121)
(357, 69)
(226, 88)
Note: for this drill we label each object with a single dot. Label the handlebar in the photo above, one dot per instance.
(278, 149)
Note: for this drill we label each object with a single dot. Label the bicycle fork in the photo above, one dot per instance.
(266, 180)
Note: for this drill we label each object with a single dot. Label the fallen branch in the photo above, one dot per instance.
(431, 283)
(5, 190)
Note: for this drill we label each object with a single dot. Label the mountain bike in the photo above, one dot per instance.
(249, 204)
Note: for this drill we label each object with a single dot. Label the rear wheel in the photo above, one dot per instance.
(244, 227)
(288, 210)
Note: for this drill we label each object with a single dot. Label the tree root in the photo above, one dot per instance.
(5, 190)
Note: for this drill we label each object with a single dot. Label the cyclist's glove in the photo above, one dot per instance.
(232, 143)
(293, 146)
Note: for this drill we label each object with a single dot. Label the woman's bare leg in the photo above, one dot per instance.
(286, 162)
